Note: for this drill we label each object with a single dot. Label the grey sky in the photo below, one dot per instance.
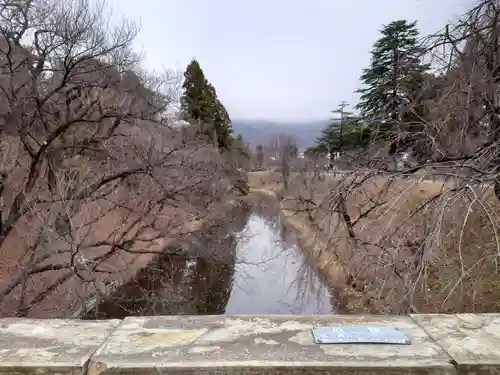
(276, 59)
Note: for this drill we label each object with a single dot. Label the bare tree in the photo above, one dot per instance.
(260, 156)
(94, 185)
(425, 238)
(287, 154)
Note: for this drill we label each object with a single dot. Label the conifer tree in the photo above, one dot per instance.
(219, 119)
(343, 134)
(394, 78)
(200, 102)
(194, 98)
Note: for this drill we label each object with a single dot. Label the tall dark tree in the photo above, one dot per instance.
(194, 99)
(343, 134)
(344, 116)
(394, 78)
(219, 119)
(259, 156)
(354, 135)
(200, 102)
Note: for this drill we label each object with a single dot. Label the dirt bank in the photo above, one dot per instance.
(408, 245)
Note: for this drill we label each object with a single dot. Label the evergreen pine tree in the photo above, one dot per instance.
(394, 77)
(219, 119)
(193, 100)
(343, 134)
(199, 102)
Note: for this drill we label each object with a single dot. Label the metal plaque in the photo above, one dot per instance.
(359, 334)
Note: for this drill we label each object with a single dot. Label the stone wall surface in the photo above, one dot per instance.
(219, 345)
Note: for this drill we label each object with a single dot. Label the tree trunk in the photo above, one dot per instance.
(214, 137)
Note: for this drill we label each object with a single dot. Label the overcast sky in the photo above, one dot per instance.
(276, 59)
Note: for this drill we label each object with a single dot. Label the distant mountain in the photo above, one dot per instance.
(260, 131)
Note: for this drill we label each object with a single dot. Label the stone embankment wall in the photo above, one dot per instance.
(441, 344)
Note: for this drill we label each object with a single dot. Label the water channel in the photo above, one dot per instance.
(267, 274)
(273, 276)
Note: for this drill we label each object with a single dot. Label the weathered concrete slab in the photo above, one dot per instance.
(472, 340)
(260, 345)
(53, 346)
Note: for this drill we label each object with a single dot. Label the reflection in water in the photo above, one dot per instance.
(272, 277)
(212, 287)
(171, 286)
(261, 275)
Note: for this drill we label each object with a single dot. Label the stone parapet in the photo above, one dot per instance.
(441, 344)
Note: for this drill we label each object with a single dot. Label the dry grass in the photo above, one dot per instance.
(422, 246)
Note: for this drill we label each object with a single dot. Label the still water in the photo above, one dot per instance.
(273, 276)
(266, 274)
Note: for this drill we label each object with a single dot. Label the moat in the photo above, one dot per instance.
(267, 273)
